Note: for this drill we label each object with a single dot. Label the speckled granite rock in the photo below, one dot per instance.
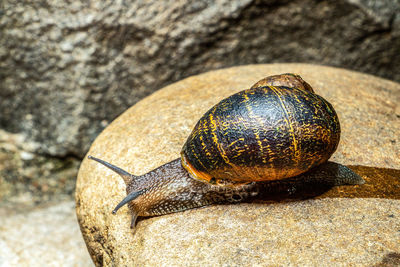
(337, 231)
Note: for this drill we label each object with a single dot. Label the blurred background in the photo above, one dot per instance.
(68, 68)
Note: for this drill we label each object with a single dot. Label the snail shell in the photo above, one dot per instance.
(263, 133)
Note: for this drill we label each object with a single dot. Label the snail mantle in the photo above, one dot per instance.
(152, 133)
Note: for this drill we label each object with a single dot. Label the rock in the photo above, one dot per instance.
(47, 236)
(38, 225)
(353, 231)
(67, 70)
(302, 233)
(28, 179)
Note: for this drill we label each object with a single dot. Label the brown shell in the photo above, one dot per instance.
(263, 133)
(286, 79)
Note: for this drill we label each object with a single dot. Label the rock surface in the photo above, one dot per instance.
(334, 231)
(338, 231)
(28, 179)
(47, 236)
(66, 70)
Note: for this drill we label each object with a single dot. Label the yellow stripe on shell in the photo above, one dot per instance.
(296, 150)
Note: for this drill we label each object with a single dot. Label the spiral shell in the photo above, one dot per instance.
(263, 133)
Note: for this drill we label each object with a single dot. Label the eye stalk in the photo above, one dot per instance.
(126, 176)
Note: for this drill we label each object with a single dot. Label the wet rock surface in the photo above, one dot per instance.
(67, 70)
(308, 232)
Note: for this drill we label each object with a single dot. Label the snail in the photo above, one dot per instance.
(276, 136)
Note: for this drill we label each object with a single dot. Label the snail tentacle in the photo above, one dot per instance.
(131, 196)
(126, 176)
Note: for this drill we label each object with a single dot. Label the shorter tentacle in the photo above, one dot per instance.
(131, 196)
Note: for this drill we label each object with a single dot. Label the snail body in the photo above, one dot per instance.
(276, 136)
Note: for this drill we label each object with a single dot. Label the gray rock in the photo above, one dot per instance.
(28, 179)
(67, 70)
(47, 236)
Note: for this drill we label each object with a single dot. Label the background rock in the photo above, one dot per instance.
(338, 231)
(38, 225)
(66, 70)
(46, 236)
(28, 179)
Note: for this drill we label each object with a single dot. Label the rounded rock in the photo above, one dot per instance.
(299, 233)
